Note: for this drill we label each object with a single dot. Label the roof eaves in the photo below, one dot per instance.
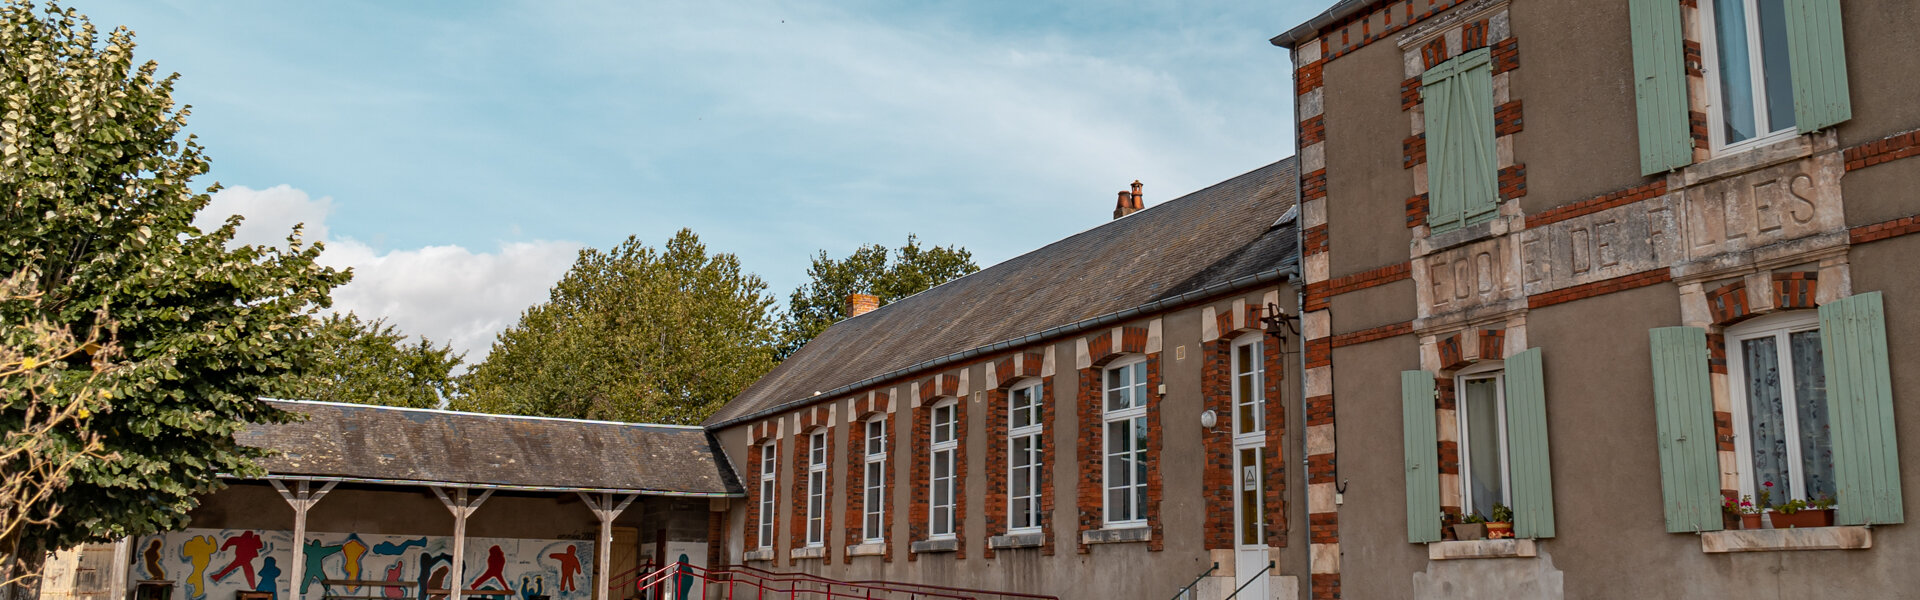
(1308, 30)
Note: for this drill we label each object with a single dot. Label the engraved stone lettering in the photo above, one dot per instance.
(1765, 204)
(1802, 207)
(1581, 258)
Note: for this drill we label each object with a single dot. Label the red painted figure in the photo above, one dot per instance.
(496, 570)
(569, 566)
(245, 547)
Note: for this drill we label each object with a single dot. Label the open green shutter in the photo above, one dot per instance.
(1423, 456)
(1819, 64)
(1853, 342)
(1660, 86)
(1462, 171)
(1527, 458)
(1683, 405)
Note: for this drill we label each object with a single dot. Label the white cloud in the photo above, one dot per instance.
(447, 293)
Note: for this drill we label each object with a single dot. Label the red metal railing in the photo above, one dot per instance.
(692, 582)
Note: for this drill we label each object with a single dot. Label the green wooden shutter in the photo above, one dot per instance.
(1462, 171)
(1819, 64)
(1683, 405)
(1660, 86)
(1866, 459)
(1423, 456)
(1527, 457)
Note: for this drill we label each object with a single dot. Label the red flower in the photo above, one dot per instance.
(1769, 484)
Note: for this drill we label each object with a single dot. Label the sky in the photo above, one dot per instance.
(458, 155)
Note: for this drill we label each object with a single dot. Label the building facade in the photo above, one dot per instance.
(1608, 265)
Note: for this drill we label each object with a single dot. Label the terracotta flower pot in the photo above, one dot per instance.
(1469, 531)
(1802, 519)
(1499, 531)
(1750, 521)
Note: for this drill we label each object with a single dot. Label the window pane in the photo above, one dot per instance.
(1736, 69)
(1810, 406)
(1766, 423)
(1119, 505)
(1249, 419)
(1483, 475)
(942, 521)
(1775, 64)
(1117, 390)
(1250, 501)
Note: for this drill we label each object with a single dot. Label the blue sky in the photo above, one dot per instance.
(457, 154)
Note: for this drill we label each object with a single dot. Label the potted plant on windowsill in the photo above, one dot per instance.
(1801, 513)
(1740, 513)
(1500, 523)
(1471, 527)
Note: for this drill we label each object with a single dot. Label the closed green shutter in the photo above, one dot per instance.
(1527, 457)
(1660, 86)
(1423, 456)
(1866, 459)
(1683, 405)
(1819, 64)
(1462, 172)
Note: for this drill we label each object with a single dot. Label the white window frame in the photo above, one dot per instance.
(1035, 388)
(1259, 376)
(1496, 371)
(938, 451)
(769, 488)
(1138, 411)
(817, 456)
(1710, 64)
(875, 482)
(1778, 326)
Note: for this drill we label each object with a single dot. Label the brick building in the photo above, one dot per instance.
(1608, 264)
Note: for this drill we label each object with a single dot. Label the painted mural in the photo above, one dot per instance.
(218, 564)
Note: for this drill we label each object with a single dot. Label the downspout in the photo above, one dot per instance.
(1300, 304)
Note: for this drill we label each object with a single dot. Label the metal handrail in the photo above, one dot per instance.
(1236, 591)
(1196, 581)
(919, 588)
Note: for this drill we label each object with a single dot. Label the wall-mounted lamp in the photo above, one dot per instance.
(1208, 419)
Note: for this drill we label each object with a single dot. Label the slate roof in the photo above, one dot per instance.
(380, 443)
(1207, 238)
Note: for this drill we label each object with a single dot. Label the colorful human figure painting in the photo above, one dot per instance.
(214, 564)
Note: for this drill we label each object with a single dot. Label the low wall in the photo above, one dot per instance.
(216, 564)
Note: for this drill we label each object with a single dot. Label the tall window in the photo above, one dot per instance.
(1748, 71)
(1483, 439)
(873, 528)
(1462, 160)
(817, 489)
(1249, 383)
(1780, 388)
(1023, 457)
(941, 450)
(1125, 415)
(769, 473)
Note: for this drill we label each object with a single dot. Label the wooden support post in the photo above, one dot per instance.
(603, 507)
(462, 506)
(302, 498)
(122, 562)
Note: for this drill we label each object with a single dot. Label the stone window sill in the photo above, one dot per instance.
(935, 546)
(1030, 539)
(868, 549)
(1481, 549)
(1851, 537)
(1117, 535)
(754, 555)
(809, 552)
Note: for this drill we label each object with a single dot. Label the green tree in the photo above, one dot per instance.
(632, 334)
(371, 362)
(96, 213)
(823, 301)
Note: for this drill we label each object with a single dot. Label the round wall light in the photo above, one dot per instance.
(1208, 419)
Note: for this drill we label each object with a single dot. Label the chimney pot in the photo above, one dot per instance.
(1129, 202)
(860, 304)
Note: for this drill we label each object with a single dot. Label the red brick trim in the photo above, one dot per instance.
(998, 517)
(1434, 52)
(1410, 93)
(1217, 477)
(802, 445)
(1416, 211)
(752, 540)
(1309, 77)
(1473, 36)
(1604, 286)
(1091, 487)
(856, 515)
(1697, 129)
(1506, 56)
(1723, 430)
(1275, 455)
(1513, 182)
(1326, 586)
(1797, 289)
(1729, 304)
(1320, 410)
(1413, 151)
(1717, 353)
(1451, 357)
(1449, 457)
(1313, 131)
(1884, 230)
(1599, 203)
(1323, 528)
(919, 527)
(1315, 241)
(1883, 150)
(1319, 352)
(1368, 335)
(1313, 185)
(1493, 344)
(1506, 119)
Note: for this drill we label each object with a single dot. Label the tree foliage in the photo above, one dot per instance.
(96, 210)
(632, 334)
(909, 270)
(371, 362)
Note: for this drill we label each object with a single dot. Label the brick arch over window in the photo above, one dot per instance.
(1217, 395)
(814, 420)
(756, 446)
(876, 404)
(1459, 351)
(1007, 373)
(1101, 350)
(932, 391)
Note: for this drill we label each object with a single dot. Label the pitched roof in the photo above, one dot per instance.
(1221, 234)
(379, 443)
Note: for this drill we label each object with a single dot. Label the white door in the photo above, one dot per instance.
(1249, 511)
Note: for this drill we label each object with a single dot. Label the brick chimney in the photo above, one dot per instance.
(1129, 202)
(860, 304)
